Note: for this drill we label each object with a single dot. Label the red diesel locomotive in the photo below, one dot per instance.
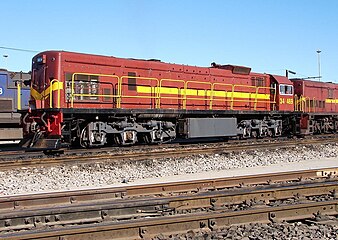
(91, 100)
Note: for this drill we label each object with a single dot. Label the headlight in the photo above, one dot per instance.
(41, 59)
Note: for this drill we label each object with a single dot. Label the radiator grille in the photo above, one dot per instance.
(6, 104)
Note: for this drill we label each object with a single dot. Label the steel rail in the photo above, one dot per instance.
(64, 198)
(146, 228)
(137, 208)
(16, 151)
(155, 154)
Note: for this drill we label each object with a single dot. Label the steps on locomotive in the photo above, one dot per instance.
(66, 132)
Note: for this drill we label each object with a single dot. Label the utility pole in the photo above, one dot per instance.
(289, 71)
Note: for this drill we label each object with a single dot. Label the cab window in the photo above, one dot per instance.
(285, 89)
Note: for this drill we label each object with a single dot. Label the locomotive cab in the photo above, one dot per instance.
(284, 94)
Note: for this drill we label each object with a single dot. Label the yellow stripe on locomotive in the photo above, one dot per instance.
(196, 92)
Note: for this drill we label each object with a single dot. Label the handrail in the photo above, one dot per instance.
(274, 97)
(256, 96)
(213, 92)
(240, 85)
(314, 104)
(186, 88)
(18, 84)
(295, 102)
(307, 105)
(160, 91)
(51, 88)
(73, 94)
(144, 78)
(210, 93)
(301, 103)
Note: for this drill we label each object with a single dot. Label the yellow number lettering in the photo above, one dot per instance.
(289, 101)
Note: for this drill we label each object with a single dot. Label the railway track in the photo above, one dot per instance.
(144, 211)
(16, 151)
(152, 152)
(169, 225)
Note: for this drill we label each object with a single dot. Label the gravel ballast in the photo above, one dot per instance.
(68, 177)
(258, 231)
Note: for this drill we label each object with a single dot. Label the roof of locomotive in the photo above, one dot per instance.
(281, 79)
(15, 75)
(311, 81)
(236, 69)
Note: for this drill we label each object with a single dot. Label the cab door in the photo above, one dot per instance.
(285, 97)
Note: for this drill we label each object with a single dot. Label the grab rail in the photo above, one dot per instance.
(73, 94)
(156, 89)
(51, 89)
(18, 85)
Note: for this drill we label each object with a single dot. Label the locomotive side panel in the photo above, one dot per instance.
(92, 100)
(81, 81)
(316, 97)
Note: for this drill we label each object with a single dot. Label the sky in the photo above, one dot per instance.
(269, 36)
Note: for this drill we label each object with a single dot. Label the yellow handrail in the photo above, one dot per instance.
(303, 103)
(160, 91)
(51, 88)
(295, 102)
(314, 104)
(256, 96)
(142, 78)
(233, 91)
(18, 84)
(213, 93)
(306, 105)
(73, 94)
(156, 86)
(186, 90)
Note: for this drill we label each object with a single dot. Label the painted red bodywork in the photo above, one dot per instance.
(318, 94)
(60, 63)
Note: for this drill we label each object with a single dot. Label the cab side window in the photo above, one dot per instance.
(285, 89)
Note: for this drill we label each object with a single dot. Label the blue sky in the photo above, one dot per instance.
(266, 35)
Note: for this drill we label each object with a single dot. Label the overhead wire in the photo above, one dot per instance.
(19, 49)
